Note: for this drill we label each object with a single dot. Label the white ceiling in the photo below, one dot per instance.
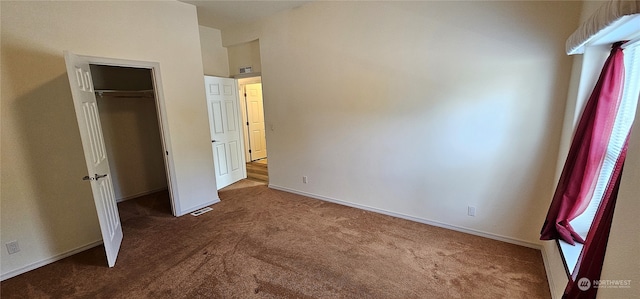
(221, 14)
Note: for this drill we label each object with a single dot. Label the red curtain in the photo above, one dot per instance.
(587, 152)
(589, 265)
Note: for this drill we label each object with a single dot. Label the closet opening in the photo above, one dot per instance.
(132, 131)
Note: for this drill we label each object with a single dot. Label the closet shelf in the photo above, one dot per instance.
(148, 93)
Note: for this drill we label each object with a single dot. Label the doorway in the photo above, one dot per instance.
(131, 130)
(85, 100)
(252, 110)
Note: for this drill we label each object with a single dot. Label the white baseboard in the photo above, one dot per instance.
(140, 194)
(412, 218)
(50, 260)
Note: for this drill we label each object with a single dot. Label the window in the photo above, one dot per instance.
(622, 126)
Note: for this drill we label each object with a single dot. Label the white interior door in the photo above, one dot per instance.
(255, 111)
(95, 155)
(224, 122)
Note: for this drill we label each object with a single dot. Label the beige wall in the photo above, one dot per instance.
(44, 203)
(214, 56)
(243, 55)
(133, 145)
(419, 109)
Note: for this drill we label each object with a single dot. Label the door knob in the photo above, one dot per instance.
(94, 178)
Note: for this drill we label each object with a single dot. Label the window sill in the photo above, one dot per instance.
(570, 254)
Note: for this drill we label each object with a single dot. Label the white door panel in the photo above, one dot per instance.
(220, 150)
(86, 108)
(255, 111)
(222, 101)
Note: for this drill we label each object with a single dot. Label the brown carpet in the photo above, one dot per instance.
(263, 243)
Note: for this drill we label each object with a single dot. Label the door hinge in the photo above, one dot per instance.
(167, 152)
(249, 151)
(247, 123)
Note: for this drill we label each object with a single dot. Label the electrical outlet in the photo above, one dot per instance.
(304, 179)
(471, 211)
(13, 247)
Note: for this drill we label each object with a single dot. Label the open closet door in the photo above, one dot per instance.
(99, 176)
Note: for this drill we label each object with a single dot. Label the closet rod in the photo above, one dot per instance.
(125, 93)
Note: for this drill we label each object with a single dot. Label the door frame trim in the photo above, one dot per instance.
(161, 114)
(244, 110)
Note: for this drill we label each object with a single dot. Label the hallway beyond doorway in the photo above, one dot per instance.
(258, 171)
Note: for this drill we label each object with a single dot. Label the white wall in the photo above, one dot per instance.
(214, 56)
(419, 108)
(44, 203)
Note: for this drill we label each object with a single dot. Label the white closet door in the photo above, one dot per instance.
(99, 175)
